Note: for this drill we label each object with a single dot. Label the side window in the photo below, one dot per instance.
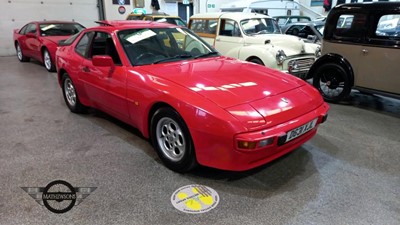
(303, 20)
(133, 17)
(31, 29)
(103, 44)
(23, 30)
(292, 20)
(281, 21)
(229, 28)
(165, 39)
(179, 22)
(205, 26)
(294, 30)
(82, 47)
(305, 31)
(344, 21)
(351, 27)
(196, 26)
(261, 11)
(388, 26)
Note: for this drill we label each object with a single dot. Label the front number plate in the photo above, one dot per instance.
(296, 132)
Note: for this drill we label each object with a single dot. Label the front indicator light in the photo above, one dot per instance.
(250, 145)
(247, 144)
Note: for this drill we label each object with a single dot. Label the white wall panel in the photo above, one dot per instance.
(16, 13)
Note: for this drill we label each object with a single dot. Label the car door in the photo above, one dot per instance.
(349, 41)
(381, 57)
(229, 39)
(30, 43)
(106, 86)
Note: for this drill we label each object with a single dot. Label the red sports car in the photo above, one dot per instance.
(39, 40)
(196, 106)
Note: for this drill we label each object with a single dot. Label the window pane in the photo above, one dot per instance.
(388, 26)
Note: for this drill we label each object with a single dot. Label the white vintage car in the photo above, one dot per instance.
(255, 38)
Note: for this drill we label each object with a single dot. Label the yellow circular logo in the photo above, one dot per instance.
(195, 198)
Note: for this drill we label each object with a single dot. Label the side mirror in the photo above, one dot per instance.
(31, 35)
(102, 61)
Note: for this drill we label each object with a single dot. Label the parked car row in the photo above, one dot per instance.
(224, 93)
(255, 38)
(157, 17)
(196, 106)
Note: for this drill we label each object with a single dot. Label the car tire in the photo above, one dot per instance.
(48, 63)
(20, 54)
(256, 61)
(71, 96)
(172, 141)
(332, 82)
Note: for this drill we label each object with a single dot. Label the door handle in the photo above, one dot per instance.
(365, 51)
(86, 69)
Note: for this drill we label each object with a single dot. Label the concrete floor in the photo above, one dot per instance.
(349, 173)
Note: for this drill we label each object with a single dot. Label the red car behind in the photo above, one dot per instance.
(196, 106)
(39, 40)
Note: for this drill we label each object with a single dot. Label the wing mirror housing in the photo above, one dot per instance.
(102, 61)
(31, 35)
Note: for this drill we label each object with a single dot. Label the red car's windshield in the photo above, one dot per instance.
(60, 29)
(158, 45)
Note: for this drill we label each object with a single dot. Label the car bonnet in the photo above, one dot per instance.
(226, 82)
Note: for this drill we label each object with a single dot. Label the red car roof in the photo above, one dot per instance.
(53, 21)
(118, 24)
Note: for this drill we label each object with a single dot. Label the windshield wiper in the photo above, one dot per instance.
(206, 54)
(183, 56)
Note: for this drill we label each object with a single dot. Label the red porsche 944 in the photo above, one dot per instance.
(39, 40)
(196, 106)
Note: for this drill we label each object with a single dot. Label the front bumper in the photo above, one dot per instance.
(222, 152)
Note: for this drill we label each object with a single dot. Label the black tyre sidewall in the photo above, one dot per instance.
(23, 58)
(256, 61)
(78, 107)
(52, 68)
(332, 66)
(188, 161)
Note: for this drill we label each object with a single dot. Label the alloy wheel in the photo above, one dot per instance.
(70, 93)
(170, 139)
